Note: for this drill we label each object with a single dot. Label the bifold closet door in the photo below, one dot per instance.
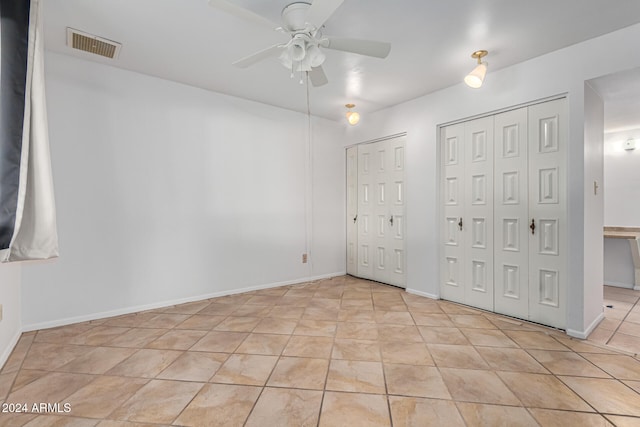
(452, 276)
(511, 214)
(467, 265)
(504, 184)
(366, 211)
(352, 211)
(477, 223)
(548, 138)
(390, 212)
(380, 220)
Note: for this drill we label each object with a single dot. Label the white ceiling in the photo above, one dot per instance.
(189, 42)
(621, 95)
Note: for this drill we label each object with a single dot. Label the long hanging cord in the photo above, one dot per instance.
(308, 191)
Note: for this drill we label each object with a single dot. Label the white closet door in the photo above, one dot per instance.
(511, 267)
(452, 283)
(381, 217)
(396, 219)
(381, 211)
(366, 212)
(548, 212)
(478, 217)
(352, 211)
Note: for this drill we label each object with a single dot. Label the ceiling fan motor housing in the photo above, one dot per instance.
(294, 17)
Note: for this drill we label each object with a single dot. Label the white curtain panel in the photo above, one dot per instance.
(27, 206)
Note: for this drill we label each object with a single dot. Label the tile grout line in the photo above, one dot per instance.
(621, 322)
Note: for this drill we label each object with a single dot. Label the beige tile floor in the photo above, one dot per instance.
(621, 326)
(338, 352)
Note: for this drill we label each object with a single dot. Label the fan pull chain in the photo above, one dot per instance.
(301, 74)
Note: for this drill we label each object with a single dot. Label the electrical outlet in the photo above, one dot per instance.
(304, 258)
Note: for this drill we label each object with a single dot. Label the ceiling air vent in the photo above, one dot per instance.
(92, 44)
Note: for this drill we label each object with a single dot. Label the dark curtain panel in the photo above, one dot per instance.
(14, 35)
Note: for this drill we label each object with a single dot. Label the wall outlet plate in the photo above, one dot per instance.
(304, 258)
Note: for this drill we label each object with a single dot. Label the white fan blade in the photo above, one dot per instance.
(318, 77)
(362, 47)
(259, 56)
(321, 10)
(242, 13)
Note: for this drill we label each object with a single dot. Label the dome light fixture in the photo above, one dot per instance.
(475, 78)
(352, 116)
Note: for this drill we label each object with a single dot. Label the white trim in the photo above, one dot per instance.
(422, 294)
(163, 304)
(382, 138)
(9, 349)
(621, 285)
(584, 334)
(504, 110)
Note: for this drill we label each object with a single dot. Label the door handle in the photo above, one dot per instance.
(355, 218)
(460, 224)
(391, 221)
(533, 226)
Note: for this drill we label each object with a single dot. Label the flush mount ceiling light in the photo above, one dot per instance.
(475, 78)
(352, 117)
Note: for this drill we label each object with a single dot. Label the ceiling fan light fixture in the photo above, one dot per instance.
(315, 55)
(353, 117)
(297, 49)
(476, 77)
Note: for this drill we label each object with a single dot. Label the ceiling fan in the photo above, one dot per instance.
(303, 22)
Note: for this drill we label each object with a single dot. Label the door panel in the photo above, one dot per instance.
(548, 212)
(352, 211)
(366, 213)
(511, 214)
(478, 213)
(396, 218)
(452, 284)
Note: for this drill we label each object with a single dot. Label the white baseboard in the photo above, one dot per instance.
(422, 294)
(584, 334)
(163, 304)
(7, 351)
(619, 284)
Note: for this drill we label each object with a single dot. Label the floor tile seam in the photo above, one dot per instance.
(24, 357)
(152, 423)
(126, 400)
(66, 396)
(326, 378)
(615, 331)
(611, 414)
(560, 378)
(464, 345)
(252, 406)
(570, 351)
(133, 354)
(280, 357)
(384, 371)
(569, 411)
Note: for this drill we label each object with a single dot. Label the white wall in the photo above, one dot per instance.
(168, 193)
(622, 204)
(618, 264)
(563, 71)
(10, 325)
(622, 180)
(593, 206)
